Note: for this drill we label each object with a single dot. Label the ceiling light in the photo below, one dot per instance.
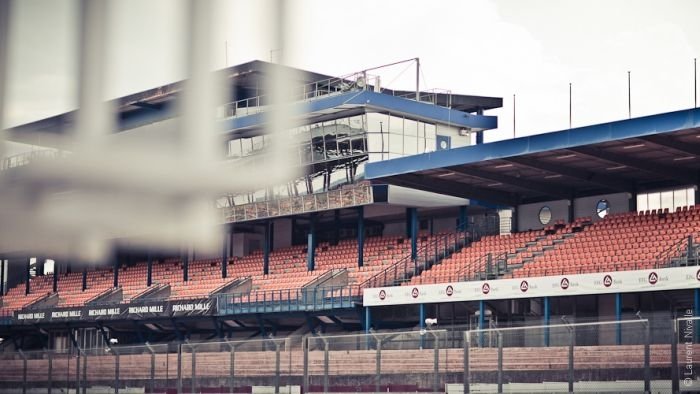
(446, 174)
(562, 157)
(504, 166)
(494, 184)
(553, 176)
(684, 158)
(633, 146)
(615, 168)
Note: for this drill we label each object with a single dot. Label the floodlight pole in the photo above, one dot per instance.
(417, 79)
(695, 80)
(629, 94)
(569, 104)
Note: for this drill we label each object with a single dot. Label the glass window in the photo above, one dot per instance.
(545, 215)
(396, 144)
(410, 128)
(234, 148)
(377, 122)
(654, 201)
(602, 208)
(410, 145)
(667, 200)
(258, 142)
(396, 125)
(642, 202)
(680, 198)
(246, 146)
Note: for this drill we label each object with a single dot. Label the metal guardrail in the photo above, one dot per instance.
(25, 158)
(356, 195)
(353, 82)
(426, 256)
(289, 300)
(570, 357)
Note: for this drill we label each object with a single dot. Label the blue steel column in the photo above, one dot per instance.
(55, 276)
(481, 322)
(266, 250)
(368, 320)
(546, 321)
(2, 276)
(115, 268)
(149, 269)
(186, 265)
(26, 277)
(618, 317)
(413, 228)
(360, 236)
(462, 221)
(421, 314)
(311, 246)
(480, 135)
(226, 248)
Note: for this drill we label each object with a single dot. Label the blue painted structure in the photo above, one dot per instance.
(376, 101)
(631, 128)
(618, 317)
(546, 316)
(360, 236)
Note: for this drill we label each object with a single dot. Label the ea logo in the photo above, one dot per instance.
(415, 292)
(485, 288)
(564, 283)
(382, 295)
(607, 281)
(653, 278)
(524, 286)
(697, 275)
(449, 291)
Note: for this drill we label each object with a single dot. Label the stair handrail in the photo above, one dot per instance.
(402, 267)
(686, 244)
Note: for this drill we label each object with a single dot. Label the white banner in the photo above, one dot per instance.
(547, 286)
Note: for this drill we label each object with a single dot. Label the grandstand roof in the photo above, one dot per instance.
(247, 80)
(646, 153)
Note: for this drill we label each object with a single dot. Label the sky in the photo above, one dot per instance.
(531, 49)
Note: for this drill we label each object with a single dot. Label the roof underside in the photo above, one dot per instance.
(636, 155)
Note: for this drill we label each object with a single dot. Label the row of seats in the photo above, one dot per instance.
(625, 241)
(287, 270)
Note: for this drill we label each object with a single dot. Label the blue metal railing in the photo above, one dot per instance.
(289, 300)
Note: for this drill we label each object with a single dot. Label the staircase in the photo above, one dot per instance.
(502, 265)
(427, 256)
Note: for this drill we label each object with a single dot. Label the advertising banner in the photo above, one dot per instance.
(547, 286)
(149, 310)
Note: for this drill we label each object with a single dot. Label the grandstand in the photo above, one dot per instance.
(579, 246)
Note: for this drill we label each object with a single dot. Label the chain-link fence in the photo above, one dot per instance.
(624, 356)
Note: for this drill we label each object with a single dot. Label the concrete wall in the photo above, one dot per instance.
(445, 224)
(396, 228)
(456, 140)
(586, 206)
(243, 243)
(528, 214)
(283, 233)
